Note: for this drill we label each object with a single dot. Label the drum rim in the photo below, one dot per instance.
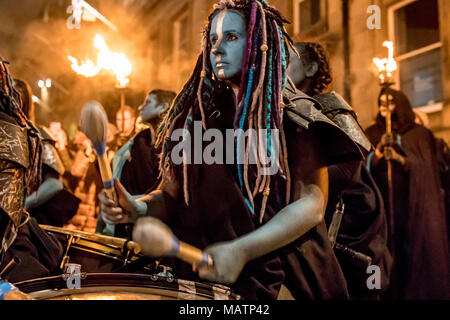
(202, 290)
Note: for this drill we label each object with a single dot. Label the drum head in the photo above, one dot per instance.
(124, 287)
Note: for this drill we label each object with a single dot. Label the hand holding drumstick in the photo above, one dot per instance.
(157, 240)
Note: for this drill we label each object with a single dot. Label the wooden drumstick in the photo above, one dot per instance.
(94, 124)
(157, 240)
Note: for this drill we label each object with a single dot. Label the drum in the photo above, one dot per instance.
(96, 253)
(124, 287)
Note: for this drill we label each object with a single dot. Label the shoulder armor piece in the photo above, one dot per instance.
(343, 115)
(50, 157)
(14, 143)
(304, 111)
(301, 108)
(332, 101)
(46, 135)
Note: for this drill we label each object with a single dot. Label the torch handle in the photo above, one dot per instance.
(391, 219)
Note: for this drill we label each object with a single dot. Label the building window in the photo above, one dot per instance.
(414, 28)
(181, 39)
(310, 16)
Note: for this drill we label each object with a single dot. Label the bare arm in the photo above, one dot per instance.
(310, 194)
(291, 222)
(46, 191)
(159, 203)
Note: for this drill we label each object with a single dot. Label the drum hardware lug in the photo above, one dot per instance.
(64, 263)
(166, 273)
(128, 255)
(129, 249)
(65, 258)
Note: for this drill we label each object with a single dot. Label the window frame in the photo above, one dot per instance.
(321, 27)
(184, 14)
(399, 58)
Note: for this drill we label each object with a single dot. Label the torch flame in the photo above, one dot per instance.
(388, 65)
(87, 69)
(106, 60)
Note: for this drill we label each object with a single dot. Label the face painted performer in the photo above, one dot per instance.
(136, 164)
(257, 224)
(420, 233)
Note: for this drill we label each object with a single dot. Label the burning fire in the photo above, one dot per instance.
(388, 65)
(106, 60)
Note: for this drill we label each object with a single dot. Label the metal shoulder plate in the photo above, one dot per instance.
(342, 114)
(50, 157)
(305, 112)
(12, 195)
(302, 109)
(14, 143)
(46, 135)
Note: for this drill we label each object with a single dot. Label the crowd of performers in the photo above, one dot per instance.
(315, 226)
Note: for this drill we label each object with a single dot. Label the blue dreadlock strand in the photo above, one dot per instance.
(283, 60)
(269, 105)
(250, 207)
(244, 114)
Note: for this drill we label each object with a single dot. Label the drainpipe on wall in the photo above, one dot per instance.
(346, 38)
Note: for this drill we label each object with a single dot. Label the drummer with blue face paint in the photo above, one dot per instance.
(247, 218)
(228, 40)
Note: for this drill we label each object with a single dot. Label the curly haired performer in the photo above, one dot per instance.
(258, 225)
(355, 213)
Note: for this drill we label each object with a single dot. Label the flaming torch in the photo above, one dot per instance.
(108, 60)
(386, 67)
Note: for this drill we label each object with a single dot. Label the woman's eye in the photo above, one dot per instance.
(213, 41)
(231, 37)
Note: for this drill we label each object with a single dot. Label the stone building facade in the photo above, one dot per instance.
(419, 29)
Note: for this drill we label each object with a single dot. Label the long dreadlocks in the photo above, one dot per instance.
(11, 105)
(262, 80)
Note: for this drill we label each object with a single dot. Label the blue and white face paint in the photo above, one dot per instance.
(228, 39)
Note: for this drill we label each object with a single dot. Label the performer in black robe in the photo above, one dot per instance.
(421, 262)
(353, 194)
(258, 225)
(24, 247)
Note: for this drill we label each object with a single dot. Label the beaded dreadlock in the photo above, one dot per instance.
(313, 52)
(10, 104)
(263, 78)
